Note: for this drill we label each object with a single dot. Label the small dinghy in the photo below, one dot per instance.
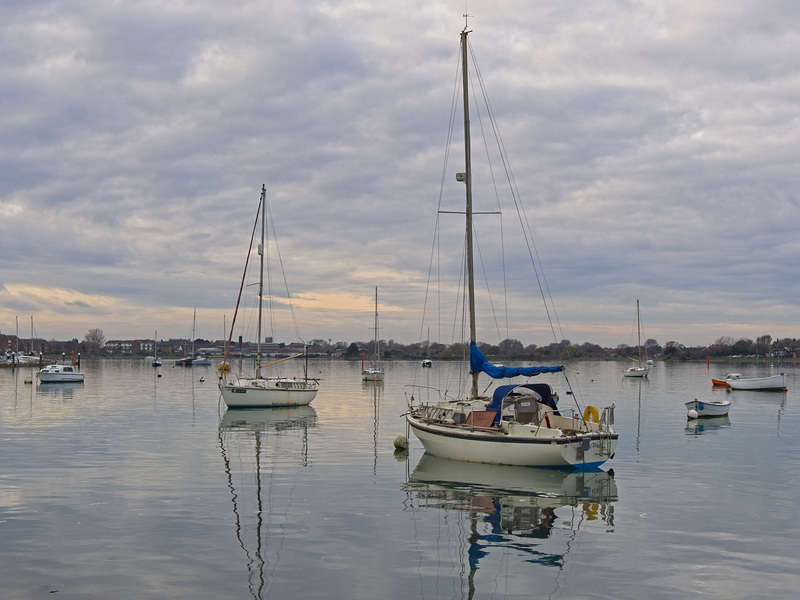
(697, 409)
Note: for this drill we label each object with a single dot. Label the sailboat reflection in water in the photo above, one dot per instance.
(493, 513)
(264, 451)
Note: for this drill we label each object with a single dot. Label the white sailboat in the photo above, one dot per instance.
(640, 370)
(197, 361)
(520, 424)
(375, 371)
(156, 362)
(186, 361)
(25, 357)
(427, 363)
(191, 360)
(260, 391)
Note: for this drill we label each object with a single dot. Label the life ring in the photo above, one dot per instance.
(591, 414)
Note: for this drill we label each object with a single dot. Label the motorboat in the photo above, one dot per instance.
(59, 373)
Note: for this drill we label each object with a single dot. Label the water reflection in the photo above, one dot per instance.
(375, 391)
(513, 512)
(707, 425)
(59, 391)
(768, 402)
(264, 450)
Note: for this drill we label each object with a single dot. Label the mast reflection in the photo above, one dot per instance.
(263, 451)
(507, 511)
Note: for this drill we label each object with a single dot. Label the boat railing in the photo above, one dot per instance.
(410, 389)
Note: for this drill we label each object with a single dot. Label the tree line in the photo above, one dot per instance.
(514, 350)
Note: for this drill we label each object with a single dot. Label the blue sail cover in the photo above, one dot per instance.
(530, 388)
(478, 363)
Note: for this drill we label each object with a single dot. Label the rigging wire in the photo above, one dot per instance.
(527, 231)
(283, 274)
(524, 222)
(241, 286)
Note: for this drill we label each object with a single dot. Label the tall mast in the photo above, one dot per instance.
(639, 331)
(468, 181)
(261, 277)
(194, 322)
(377, 349)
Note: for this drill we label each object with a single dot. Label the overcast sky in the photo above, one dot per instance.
(655, 145)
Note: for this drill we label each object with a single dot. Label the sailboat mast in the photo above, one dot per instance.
(639, 331)
(261, 277)
(468, 211)
(377, 349)
(194, 323)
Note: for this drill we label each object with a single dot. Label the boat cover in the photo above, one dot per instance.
(530, 388)
(478, 362)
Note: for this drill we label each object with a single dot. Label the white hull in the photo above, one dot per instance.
(528, 446)
(771, 383)
(372, 375)
(708, 409)
(26, 359)
(636, 372)
(59, 374)
(269, 392)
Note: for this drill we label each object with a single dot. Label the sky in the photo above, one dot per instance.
(654, 145)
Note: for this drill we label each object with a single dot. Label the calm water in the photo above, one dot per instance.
(141, 487)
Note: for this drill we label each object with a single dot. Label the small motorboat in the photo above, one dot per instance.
(697, 409)
(59, 374)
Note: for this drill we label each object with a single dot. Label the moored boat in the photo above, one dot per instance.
(640, 370)
(696, 409)
(156, 361)
(58, 373)
(520, 424)
(374, 372)
(260, 391)
(771, 383)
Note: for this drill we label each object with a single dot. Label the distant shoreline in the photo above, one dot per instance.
(50, 359)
